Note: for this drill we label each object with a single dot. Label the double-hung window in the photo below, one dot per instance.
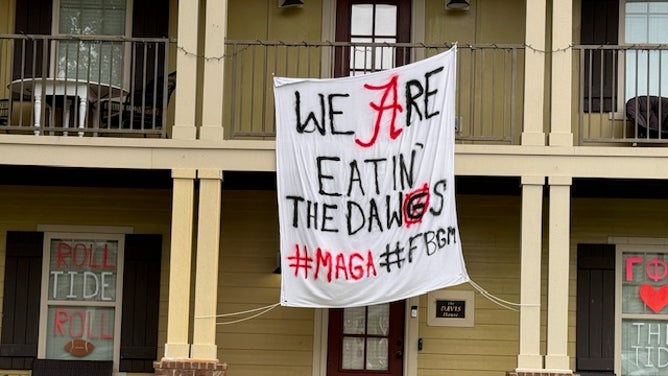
(642, 309)
(646, 69)
(93, 60)
(81, 296)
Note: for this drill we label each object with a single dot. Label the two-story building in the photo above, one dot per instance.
(139, 223)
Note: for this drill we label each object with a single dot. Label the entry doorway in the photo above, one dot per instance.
(366, 340)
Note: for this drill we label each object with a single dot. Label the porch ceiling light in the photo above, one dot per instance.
(458, 4)
(290, 3)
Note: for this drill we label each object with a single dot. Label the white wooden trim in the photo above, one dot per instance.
(320, 326)
(411, 336)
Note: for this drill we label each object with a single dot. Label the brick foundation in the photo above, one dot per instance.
(189, 367)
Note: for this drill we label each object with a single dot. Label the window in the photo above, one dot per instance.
(91, 60)
(645, 23)
(82, 284)
(642, 322)
(371, 22)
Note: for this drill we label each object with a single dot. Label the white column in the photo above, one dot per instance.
(558, 271)
(216, 29)
(534, 71)
(186, 66)
(561, 132)
(529, 357)
(177, 345)
(206, 274)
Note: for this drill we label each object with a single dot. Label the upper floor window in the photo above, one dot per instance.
(91, 60)
(646, 23)
(371, 22)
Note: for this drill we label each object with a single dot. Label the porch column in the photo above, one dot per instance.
(561, 131)
(216, 29)
(557, 359)
(177, 345)
(186, 67)
(206, 275)
(534, 63)
(529, 357)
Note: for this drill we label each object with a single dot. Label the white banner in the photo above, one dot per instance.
(365, 169)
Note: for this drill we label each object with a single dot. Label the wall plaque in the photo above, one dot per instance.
(450, 308)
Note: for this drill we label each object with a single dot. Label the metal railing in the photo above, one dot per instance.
(489, 81)
(622, 94)
(84, 85)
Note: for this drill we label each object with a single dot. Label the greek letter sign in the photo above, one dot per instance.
(365, 169)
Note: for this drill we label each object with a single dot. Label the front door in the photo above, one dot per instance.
(366, 340)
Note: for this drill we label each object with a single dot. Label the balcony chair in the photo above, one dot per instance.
(140, 110)
(650, 113)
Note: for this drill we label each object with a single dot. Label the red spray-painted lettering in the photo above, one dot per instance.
(354, 265)
(83, 255)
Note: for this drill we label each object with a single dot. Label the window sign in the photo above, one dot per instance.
(82, 297)
(644, 313)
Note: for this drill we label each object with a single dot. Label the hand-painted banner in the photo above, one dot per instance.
(365, 170)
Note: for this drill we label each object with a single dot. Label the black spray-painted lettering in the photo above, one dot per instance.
(415, 89)
(327, 113)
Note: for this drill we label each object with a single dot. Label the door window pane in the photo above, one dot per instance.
(376, 358)
(354, 320)
(385, 20)
(372, 23)
(352, 356)
(379, 320)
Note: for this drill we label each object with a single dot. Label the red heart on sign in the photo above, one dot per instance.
(655, 299)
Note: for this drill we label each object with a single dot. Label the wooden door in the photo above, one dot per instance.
(366, 340)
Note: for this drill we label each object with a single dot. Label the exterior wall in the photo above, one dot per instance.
(279, 342)
(489, 228)
(23, 208)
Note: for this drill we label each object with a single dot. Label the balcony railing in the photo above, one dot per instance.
(489, 81)
(84, 85)
(623, 94)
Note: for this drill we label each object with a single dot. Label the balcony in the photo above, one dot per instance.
(489, 82)
(622, 94)
(84, 86)
(120, 90)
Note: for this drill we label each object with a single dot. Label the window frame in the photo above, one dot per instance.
(619, 112)
(126, 66)
(623, 246)
(45, 302)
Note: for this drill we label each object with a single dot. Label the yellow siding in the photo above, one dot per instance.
(279, 342)
(489, 229)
